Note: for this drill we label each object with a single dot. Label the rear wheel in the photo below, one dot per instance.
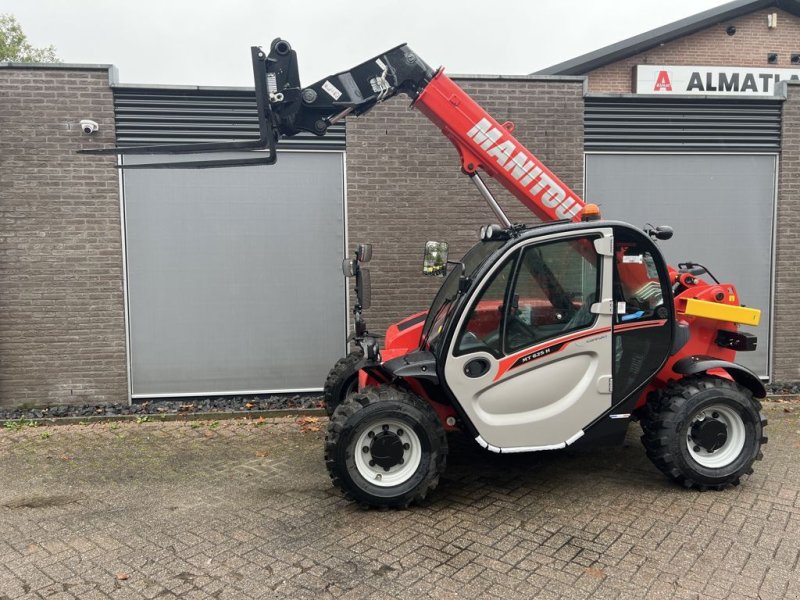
(704, 432)
(385, 447)
(342, 380)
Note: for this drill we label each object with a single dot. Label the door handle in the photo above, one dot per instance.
(477, 367)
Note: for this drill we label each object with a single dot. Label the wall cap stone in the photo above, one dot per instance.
(778, 96)
(532, 77)
(113, 74)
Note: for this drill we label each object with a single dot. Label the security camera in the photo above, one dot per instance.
(88, 126)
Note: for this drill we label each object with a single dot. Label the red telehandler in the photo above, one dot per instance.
(540, 337)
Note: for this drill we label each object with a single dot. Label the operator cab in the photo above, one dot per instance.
(539, 334)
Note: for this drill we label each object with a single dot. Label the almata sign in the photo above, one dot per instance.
(708, 81)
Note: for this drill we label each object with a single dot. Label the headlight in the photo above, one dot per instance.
(349, 267)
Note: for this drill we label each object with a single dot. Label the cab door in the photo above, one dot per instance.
(531, 359)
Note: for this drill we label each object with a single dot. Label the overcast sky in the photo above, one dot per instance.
(206, 42)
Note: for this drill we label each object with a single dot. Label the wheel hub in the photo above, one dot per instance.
(386, 449)
(709, 434)
(388, 452)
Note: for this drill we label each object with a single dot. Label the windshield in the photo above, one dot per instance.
(440, 310)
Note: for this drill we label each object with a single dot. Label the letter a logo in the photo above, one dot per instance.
(662, 83)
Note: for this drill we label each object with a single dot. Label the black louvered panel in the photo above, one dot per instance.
(653, 124)
(167, 116)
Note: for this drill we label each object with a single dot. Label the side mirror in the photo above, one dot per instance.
(435, 261)
(363, 254)
(349, 267)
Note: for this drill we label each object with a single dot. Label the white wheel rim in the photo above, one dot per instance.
(397, 474)
(734, 444)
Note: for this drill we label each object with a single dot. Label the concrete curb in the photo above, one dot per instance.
(166, 417)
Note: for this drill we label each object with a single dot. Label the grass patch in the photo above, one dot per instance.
(19, 425)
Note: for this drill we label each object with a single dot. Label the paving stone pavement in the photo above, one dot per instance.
(243, 509)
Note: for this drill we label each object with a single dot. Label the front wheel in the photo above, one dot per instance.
(704, 432)
(385, 447)
(342, 380)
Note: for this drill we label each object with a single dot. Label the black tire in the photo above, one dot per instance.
(342, 380)
(668, 421)
(369, 410)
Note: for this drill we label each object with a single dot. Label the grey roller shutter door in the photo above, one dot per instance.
(234, 275)
(721, 207)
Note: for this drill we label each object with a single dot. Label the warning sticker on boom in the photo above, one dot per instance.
(332, 90)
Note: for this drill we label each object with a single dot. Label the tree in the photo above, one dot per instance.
(14, 45)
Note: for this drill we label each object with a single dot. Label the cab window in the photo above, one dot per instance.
(641, 296)
(484, 325)
(554, 289)
(546, 291)
(637, 290)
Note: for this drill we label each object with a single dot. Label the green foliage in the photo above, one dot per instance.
(14, 45)
(18, 425)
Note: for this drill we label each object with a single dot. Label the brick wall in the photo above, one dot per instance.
(785, 347)
(405, 186)
(711, 46)
(62, 332)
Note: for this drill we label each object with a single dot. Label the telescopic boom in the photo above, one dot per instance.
(285, 108)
